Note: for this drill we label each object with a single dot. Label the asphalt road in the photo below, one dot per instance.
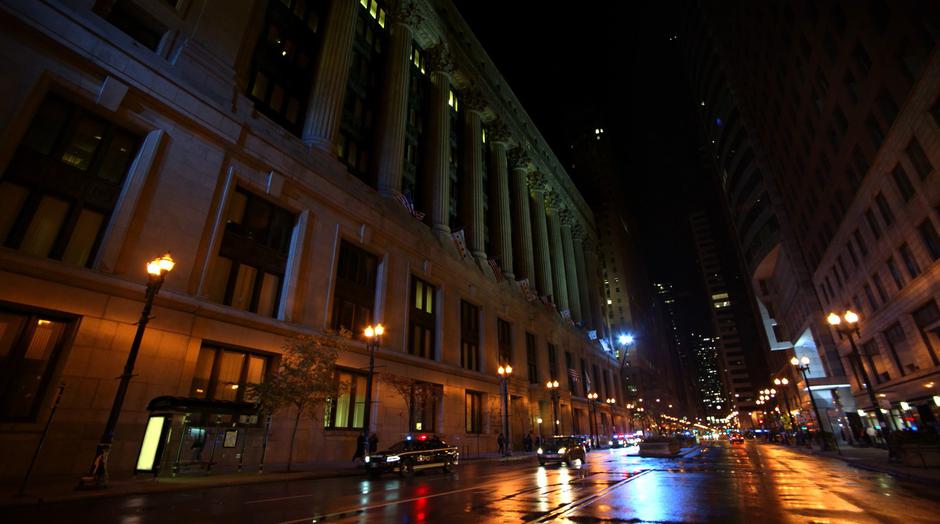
(749, 483)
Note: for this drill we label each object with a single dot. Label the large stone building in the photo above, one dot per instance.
(825, 116)
(311, 165)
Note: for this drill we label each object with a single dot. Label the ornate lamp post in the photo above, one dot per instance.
(847, 326)
(802, 364)
(504, 373)
(610, 403)
(98, 473)
(373, 336)
(553, 392)
(786, 401)
(592, 406)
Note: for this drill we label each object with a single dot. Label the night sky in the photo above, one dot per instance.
(611, 66)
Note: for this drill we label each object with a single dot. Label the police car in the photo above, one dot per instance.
(415, 453)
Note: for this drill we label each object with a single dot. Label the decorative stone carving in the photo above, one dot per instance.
(537, 181)
(566, 216)
(552, 199)
(405, 12)
(498, 132)
(440, 59)
(577, 231)
(472, 99)
(518, 159)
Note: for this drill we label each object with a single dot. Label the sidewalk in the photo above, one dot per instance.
(62, 490)
(875, 459)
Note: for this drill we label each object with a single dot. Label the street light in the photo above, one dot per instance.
(846, 330)
(373, 340)
(504, 373)
(592, 407)
(786, 401)
(553, 392)
(802, 364)
(610, 404)
(98, 473)
(539, 421)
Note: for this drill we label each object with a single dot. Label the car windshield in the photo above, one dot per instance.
(559, 442)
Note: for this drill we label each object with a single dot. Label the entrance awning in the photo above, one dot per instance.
(201, 405)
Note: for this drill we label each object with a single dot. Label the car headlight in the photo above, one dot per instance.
(367, 459)
(562, 450)
(539, 451)
(610, 442)
(393, 458)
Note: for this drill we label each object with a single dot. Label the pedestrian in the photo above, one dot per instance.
(527, 442)
(501, 442)
(360, 446)
(373, 443)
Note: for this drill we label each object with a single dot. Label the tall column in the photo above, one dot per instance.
(594, 295)
(543, 261)
(390, 146)
(521, 217)
(571, 270)
(559, 275)
(325, 104)
(471, 194)
(587, 319)
(438, 153)
(501, 224)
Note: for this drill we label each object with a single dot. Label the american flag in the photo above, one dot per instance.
(573, 374)
(526, 290)
(403, 200)
(496, 270)
(460, 242)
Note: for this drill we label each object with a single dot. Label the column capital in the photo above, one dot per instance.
(566, 217)
(440, 59)
(498, 132)
(518, 159)
(537, 181)
(405, 12)
(553, 201)
(577, 231)
(471, 99)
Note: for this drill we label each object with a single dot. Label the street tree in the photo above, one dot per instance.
(413, 392)
(304, 380)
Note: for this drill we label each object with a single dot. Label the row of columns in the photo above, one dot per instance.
(534, 237)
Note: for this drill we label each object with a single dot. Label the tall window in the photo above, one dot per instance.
(552, 362)
(354, 294)
(895, 273)
(30, 346)
(895, 337)
(224, 373)
(872, 301)
(60, 188)
(249, 271)
(347, 410)
(873, 223)
(879, 287)
(860, 241)
(870, 350)
(884, 209)
(926, 317)
(422, 318)
(424, 402)
(363, 89)
(910, 263)
(469, 336)
(531, 359)
(929, 237)
(504, 341)
(455, 164)
(474, 411)
(919, 159)
(283, 64)
(905, 189)
(571, 372)
(415, 139)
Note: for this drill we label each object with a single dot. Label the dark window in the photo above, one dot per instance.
(504, 341)
(861, 162)
(415, 139)
(860, 241)
(871, 297)
(870, 350)
(455, 160)
(552, 362)
(895, 273)
(903, 183)
(889, 108)
(572, 372)
(347, 410)
(132, 20)
(910, 263)
(474, 411)
(354, 292)
(929, 237)
(918, 159)
(886, 214)
(363, 90)
(879, 287)
(31, 343)
(862, 60)
(421, 340)
(469, 336)
(832, 294)
(852, 256)
(283, 62)
(895, 337)
(841, 262)
(873, 223)
(874, 132)
(249, 272)
(838, 277)
(851, 86)
(58, 193)
(857, 304)
(925, 317)
(531, 358)
(224, 373)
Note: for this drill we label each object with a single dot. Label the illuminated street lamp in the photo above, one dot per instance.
(553, 392)
(98, 473)
(847, 326)
(592, 407)
(373, 336)
(504, 373)
(539, 421)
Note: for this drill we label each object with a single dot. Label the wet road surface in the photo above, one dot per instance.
(749, 483)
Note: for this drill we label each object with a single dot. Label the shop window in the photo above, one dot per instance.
(249, 271)
(474, 412)
(31, 346)
(469, 336)
(354, 292)
(63, 183)
(224, 373)
(283, 64)
(347, 410)
(422, 318)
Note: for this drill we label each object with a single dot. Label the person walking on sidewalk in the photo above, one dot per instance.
(501, 442)
(360, 447)
(373, 443)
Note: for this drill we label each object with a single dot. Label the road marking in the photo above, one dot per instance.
(584, 501)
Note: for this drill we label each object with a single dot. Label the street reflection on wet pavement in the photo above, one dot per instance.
(715, 483)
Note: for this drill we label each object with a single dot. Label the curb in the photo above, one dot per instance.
(861, 464)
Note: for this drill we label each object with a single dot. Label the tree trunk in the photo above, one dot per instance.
(293, 433)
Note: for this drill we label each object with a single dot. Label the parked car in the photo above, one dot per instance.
(413, 454)
(561, 450)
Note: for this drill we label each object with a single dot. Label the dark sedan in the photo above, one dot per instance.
(563, 450)
(413, 454)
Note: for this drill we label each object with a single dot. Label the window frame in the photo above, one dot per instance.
(272, 362)
(469, 336)
(419, 320)
(329, 416)
(349, 291)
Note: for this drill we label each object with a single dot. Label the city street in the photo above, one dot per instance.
(719, 483)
